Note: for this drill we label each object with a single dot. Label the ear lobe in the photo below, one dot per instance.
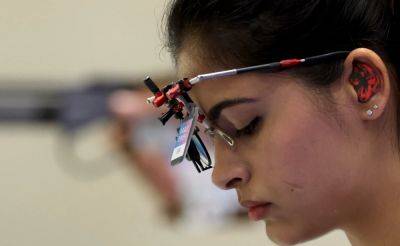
(367, 76)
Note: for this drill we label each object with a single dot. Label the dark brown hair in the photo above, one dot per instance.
(232, 33)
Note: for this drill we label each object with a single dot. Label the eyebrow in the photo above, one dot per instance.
(216, 110)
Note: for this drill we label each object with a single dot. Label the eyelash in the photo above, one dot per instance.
(250, 129)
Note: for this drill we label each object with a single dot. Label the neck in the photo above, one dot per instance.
(379, 223)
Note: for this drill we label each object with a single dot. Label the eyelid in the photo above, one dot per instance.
(251, 126)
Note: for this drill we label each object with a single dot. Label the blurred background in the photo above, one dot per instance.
(83, 161)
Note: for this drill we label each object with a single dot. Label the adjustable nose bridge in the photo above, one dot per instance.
(223, 136)
(228, 139)
(229, 171)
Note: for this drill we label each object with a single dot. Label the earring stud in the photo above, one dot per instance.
(370, 112)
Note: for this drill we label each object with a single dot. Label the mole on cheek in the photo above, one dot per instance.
(293, 186)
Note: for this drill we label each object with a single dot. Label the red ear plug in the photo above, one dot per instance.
(365, 82)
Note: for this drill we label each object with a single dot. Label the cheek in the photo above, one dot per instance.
(301, 150)
(305, 158)
(300, 145)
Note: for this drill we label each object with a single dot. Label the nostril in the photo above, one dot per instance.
(233, 183)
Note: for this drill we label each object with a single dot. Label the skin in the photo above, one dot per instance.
(321, 168)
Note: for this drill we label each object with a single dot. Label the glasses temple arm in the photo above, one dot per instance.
(284, 64)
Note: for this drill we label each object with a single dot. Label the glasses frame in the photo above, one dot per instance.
(194, 154)
(179, 90)
(265, 68)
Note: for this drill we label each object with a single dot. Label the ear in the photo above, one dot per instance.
(367, 81)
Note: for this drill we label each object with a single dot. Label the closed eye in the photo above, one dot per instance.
(250, 129)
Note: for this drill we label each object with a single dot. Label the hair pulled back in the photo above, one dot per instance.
(230, 33)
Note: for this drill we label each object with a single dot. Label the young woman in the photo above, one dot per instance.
(316, 145)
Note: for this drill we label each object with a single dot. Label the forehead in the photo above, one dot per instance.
(190, 65)
(208, 93)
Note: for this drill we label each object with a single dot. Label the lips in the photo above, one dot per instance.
(257, 210)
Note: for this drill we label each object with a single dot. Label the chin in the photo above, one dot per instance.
(286, 235)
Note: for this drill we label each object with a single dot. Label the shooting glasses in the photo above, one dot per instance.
(176, 98)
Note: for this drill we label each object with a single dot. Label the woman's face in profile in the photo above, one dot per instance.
(290, 152)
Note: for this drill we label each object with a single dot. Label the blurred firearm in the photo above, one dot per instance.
(71, 108)
(74, 111)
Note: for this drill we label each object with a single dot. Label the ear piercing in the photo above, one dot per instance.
(370, 112)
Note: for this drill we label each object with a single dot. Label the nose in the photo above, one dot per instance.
(228, 172)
